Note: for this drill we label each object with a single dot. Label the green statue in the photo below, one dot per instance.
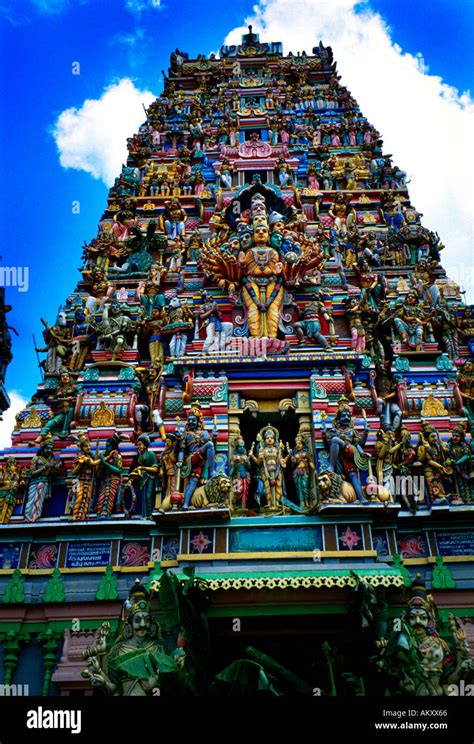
(416, 656)
(133, 665)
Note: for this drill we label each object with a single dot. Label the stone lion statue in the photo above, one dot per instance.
(215, 492)
(335, 490)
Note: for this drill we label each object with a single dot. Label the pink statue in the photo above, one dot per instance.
(284, 136)
(335, 139)
(122, 295)
(313, 182)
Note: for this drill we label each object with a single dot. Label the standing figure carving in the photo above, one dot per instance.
(39, 476)
(267, 454)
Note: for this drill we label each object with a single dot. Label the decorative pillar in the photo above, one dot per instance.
(11, 644)
(49, 641)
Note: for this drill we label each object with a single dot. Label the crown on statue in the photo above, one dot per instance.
(343, 404)
(138, 599)
(418, 595)
(196, 408)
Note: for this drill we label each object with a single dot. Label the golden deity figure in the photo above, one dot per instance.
(11, 480)
(361, 171)
(83, 468)
(262, 286)
(255, 265)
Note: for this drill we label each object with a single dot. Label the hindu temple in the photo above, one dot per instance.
(250, 441)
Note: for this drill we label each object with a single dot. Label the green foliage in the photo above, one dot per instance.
(290, 682)
(243, 677)
(184, 604)
(357, 683)
(402, 661)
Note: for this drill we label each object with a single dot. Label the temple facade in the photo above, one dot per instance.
(262, 379)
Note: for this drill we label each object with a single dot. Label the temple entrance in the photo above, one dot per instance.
(297, 643)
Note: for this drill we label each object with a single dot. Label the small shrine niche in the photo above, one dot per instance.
(262, 420)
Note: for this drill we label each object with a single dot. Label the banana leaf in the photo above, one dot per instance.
(283, 675)
(143, 663)
(244, 677)
(169, 598)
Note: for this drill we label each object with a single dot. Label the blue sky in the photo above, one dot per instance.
(112, 40)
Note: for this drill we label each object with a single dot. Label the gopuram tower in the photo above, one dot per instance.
(263, 373)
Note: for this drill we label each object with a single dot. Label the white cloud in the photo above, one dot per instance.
(426, 124)
(93, 138)
(8, 422)
(18, 14)
(138, 6)
(130, 40)
(50, 7)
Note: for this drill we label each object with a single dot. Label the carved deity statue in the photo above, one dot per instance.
(459, 451)
(310, 324)
(115, 329)
(44, 466)
(240, 472)
(302, 465)
(110, 478)
(11, 480)
(196, 455)
(267, 454)
(218, 332)
(145, 474)
(149, 408)
(410, 320)
(345, 443)
(84, 469)
(262, 285)
(58, 340)
(437, 466)
(133, 664)
(62, 402)
(415, 656)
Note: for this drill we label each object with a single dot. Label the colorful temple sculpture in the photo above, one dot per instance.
(258, 400)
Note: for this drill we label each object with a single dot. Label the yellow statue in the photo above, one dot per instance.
(11, 480)
(262, 288)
